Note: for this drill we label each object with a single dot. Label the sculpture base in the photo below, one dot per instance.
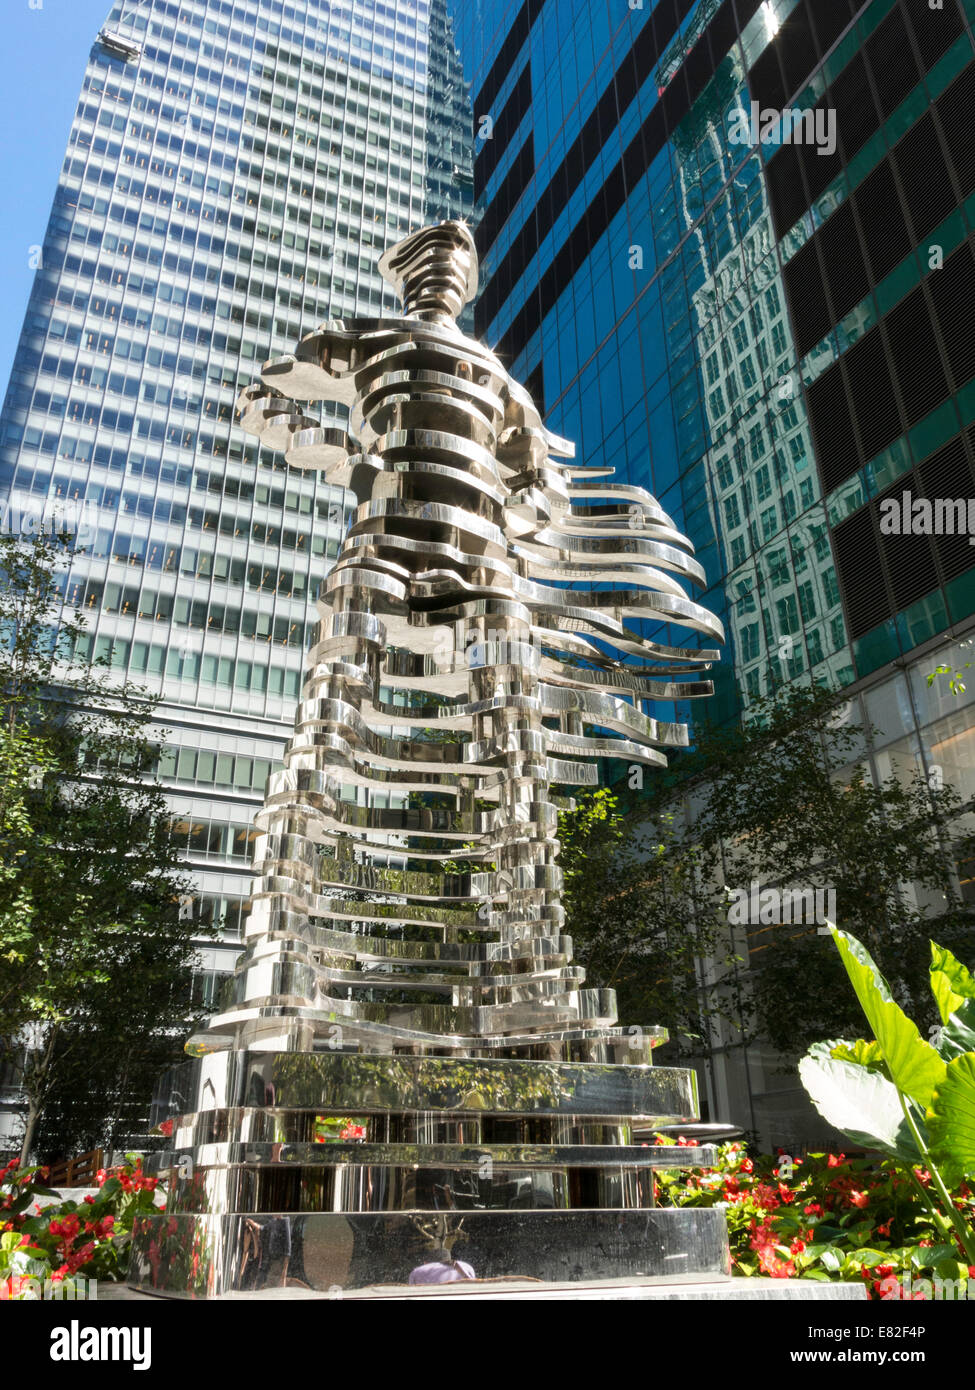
(338, 1254)
(338, 1172)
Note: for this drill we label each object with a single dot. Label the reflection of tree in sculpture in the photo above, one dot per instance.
(449, 589)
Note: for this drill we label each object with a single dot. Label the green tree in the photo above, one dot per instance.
(642, 917)
(89, 880)
(778, 803)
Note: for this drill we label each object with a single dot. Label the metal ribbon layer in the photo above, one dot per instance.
(467, 660)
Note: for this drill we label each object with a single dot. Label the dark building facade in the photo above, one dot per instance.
(729, 243)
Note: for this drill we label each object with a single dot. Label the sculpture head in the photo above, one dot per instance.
(434, 270)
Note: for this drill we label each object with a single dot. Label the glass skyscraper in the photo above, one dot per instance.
(227, 167)
(765, 322)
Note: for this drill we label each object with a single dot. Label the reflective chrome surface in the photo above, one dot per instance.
(406, 1030)
(290, 1082)
(335, 1253)
(457, 675)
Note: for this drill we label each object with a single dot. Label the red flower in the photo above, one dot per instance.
(76, 1258)
(11, 1286)
(770, 1264)
(797, 1246)
(834, 1160)
(747, 1166)
(859, 1199)
(813, 1209)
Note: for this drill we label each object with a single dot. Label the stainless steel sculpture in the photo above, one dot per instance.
(411, 1060)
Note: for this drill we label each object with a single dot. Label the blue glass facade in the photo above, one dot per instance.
(232, 171)
(640, 268)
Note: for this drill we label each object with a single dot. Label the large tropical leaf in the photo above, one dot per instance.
(951, 1119)
(914, 1065)
(951, 982)
(860, 1103)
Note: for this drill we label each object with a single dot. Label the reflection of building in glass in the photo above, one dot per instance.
(762, 337)
(225, 167)
(783, 598)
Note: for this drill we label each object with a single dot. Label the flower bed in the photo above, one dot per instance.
(62, 1243)
(828, 1217)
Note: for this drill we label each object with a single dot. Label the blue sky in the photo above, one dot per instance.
(45, 50)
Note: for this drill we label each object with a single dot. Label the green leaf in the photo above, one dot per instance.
(868, 1257)
(914, 1065)
(951, 1117)
(19, 1204)
(25, 1262)
(951, 982)
(951, 1268)
(862, 1104)
(920, 1256)
(958, 1034)
(863, 1053)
